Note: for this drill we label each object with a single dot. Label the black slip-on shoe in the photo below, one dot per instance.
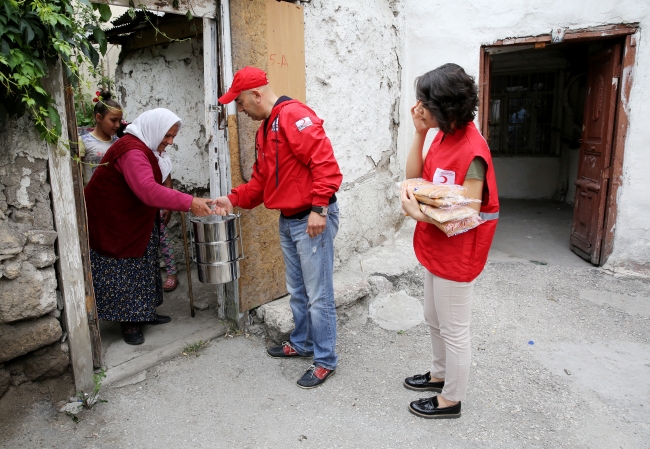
(315, 376)
(428, 408)
(132, 335)
(283, 351)
(160, 319)
(421, 382)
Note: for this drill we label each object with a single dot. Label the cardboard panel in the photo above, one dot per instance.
(262, 270)
(285, 37)
(257, 44)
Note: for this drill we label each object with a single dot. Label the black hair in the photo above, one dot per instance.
(105, 104)
(121, 130)
(450, 95)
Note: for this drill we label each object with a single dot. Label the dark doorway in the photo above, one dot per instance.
(549, 114)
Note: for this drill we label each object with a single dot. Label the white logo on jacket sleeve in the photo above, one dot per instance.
(444, 176)
(303, 123)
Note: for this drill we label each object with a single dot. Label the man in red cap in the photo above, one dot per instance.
(295, 171)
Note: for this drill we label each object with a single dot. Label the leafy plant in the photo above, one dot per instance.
(88, 400)
(194, 348)
(35, 34)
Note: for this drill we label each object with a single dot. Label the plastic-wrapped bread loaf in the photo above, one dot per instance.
(445, 202)
(428, 189)
(456, 227)
(443, 215)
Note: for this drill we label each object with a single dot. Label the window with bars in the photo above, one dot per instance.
(523, 114)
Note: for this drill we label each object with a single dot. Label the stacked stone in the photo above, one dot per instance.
(30, 306)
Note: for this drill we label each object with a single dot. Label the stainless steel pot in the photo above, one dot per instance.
(215, 228)
(218, 273)
(217, 252)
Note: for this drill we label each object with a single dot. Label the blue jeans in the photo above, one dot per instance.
(310, 267)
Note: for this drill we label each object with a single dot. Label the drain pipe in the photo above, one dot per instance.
(227, 294)
(226, 51)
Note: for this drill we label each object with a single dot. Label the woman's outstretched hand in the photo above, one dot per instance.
(418, 120)
(201, 207)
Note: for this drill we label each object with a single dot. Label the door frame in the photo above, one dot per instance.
(621, 117)
(217, 77)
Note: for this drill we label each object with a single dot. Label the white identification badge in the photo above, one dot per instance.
(303, 123)
(444, 176)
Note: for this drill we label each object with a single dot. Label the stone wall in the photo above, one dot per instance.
(30, 306)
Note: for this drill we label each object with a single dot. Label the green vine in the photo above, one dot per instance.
(35, 34)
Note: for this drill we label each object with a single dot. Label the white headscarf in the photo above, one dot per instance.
(150, 127)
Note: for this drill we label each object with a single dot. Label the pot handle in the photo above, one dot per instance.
(241, 237)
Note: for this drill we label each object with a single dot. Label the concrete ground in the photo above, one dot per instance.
(561, 359)
(163, 342)
(536, 231)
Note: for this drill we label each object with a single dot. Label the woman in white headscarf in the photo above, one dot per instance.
(123, 199)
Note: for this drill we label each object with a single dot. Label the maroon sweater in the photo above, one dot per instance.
(119, 223)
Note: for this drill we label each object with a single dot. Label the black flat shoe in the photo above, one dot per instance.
(160, 319)
(132, 335)
(421, 382)
(428, 408)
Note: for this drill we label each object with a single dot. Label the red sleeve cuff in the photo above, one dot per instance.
(234, 199)
(320, 201)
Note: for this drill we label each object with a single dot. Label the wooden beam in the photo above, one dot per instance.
(484, 94)
(620, 134)
(82, 225)
(582, 34)
(69, 264)
(199, 8)
(176, 30)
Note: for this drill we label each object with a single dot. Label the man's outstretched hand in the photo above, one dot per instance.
(222, 205)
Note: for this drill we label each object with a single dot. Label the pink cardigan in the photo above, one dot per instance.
(136, 169)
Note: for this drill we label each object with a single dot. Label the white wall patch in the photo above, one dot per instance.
(303, 123)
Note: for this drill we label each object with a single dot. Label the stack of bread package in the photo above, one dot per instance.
(446, 204)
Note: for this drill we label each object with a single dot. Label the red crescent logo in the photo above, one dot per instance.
(444, 179)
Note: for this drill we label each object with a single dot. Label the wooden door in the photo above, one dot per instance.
(595, 153)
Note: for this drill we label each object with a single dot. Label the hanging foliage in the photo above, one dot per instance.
(34, 35)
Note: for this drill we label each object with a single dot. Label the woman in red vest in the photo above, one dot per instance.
(123, 199)
(447, 99)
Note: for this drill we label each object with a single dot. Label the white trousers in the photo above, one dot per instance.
(447, 311)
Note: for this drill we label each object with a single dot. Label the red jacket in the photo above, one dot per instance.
(119, 224)
(295, 167)
(460, 258)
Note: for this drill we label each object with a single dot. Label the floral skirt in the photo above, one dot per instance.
(130, 289)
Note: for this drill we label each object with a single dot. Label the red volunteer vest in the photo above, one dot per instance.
(119, 224)
(460, 258)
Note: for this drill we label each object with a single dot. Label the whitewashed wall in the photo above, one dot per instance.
(170, 77)
(352, 54)
(527, 177)
(437, 32)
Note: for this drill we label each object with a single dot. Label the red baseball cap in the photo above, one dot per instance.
(245, 79)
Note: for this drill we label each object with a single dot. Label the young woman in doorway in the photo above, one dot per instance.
(93, 146)
(447, 99)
